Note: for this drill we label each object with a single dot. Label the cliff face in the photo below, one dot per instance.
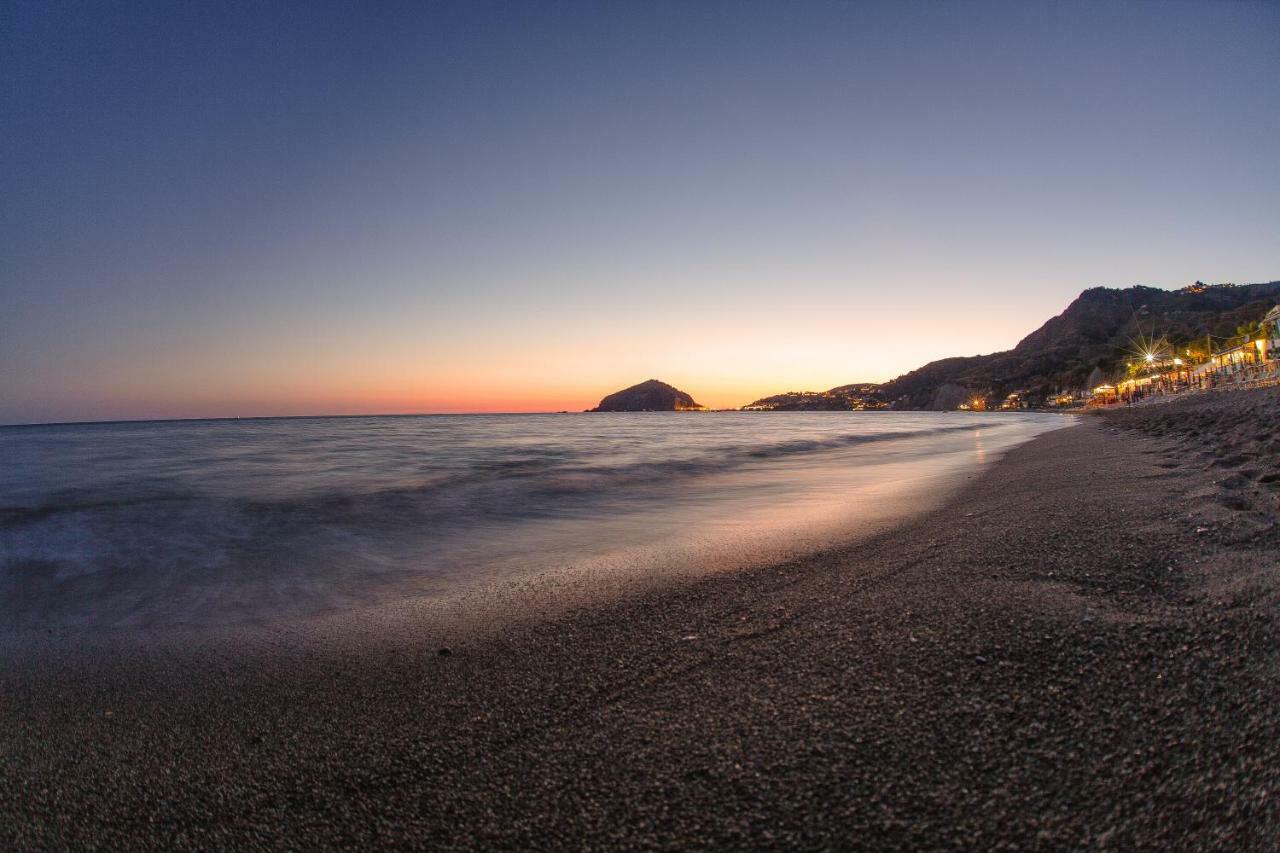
(649, 396)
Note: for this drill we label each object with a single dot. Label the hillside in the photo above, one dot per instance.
(1095, 331)
(648, 396)
(844, 398)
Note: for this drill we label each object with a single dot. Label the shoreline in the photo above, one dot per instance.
(1077, 648)
(856, 488)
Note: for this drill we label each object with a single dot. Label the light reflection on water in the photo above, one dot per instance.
(217, 522)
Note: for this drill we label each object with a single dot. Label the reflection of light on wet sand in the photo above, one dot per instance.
(979, 452)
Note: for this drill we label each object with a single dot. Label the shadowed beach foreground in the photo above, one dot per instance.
(1079, 649)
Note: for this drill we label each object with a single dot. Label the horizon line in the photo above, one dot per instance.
(332, 417)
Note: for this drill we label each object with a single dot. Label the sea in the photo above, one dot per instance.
(220, 522)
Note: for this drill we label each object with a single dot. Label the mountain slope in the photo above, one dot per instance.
(1095, 331)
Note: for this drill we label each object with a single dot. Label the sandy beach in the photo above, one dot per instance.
(1079, 649)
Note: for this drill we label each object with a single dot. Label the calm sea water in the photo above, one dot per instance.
(215, 522)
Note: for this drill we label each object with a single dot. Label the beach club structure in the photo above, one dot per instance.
(1252, 364)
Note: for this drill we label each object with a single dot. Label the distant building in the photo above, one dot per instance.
(1103, 395)
(1251, 359)
(1229, 361)
(1013, 402)
(1062, 400)
(1251, 363)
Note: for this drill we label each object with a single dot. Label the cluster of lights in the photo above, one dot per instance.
(1155, 355)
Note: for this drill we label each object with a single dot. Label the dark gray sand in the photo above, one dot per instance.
(1079, 650)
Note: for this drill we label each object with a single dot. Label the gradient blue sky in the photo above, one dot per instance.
(247, 209)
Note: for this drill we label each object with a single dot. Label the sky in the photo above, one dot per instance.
(245, 209)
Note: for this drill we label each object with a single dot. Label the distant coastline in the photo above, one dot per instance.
(1053, 367)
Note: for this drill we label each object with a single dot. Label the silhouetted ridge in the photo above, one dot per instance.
(1093, 334)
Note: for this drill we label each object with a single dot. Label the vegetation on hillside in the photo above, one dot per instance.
(843, 398)
(1092, 341)
(1095, 336)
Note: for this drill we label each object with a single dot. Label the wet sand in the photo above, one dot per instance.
(1078, 649)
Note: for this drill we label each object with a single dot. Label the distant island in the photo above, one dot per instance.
(649, 396)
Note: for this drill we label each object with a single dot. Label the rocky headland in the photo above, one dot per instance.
(649, 396)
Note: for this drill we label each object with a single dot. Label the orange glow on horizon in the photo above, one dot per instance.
(394, 370)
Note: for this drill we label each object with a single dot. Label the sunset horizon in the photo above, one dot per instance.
(514, 212)
(508, 390)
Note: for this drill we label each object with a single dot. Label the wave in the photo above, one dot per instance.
(543, 474)
(220, 529)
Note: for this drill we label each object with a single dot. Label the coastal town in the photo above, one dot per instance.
(1163, 370)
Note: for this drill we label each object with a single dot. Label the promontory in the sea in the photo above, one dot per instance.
(649, 396)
